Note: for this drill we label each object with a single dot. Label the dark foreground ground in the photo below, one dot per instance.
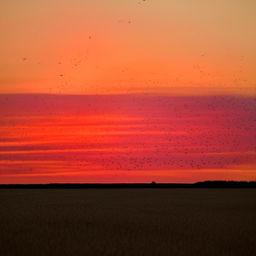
(128, 222)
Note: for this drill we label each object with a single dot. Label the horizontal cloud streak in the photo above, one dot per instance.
(97, 137)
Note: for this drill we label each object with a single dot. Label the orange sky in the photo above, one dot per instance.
(153, 46)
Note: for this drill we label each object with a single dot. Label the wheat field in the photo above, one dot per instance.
(126, 222)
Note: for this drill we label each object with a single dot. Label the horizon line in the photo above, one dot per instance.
(121, 183)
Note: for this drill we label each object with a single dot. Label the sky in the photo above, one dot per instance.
(135, 46)
(127, 91)
(126, 138)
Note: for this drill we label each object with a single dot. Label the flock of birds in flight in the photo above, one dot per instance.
(75, 63)
(131, 162)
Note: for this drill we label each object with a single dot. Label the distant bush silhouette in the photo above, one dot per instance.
(226, 184)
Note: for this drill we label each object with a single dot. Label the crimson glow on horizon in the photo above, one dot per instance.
(126, 138)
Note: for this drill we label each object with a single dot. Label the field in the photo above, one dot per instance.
(127, 222)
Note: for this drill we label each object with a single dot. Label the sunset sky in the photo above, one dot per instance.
(112, 46)
(127, 91)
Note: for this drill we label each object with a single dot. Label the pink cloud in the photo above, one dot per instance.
(54, 136)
